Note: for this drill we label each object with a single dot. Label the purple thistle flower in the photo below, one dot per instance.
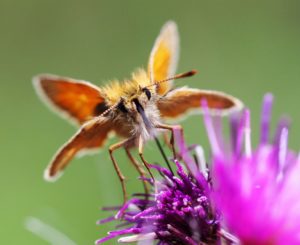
(178, 212)
(257, 192)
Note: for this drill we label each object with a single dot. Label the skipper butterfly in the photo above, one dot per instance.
(134, 110)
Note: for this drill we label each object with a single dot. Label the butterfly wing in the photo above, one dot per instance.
(182, 100)
(90, 136)
(164, 57)
(77, 100)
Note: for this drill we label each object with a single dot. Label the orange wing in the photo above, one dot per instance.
(78, 100)
(164, 57)
(90, 136)
(182, 100)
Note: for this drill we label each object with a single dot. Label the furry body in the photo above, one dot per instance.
(129, 124)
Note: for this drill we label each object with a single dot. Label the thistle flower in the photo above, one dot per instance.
(257, 192)
(178, 212)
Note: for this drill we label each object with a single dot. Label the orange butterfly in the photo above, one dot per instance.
(134, 109)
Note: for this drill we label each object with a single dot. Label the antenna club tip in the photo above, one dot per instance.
(188, 74)
(193, 72)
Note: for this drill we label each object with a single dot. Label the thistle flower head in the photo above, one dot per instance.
(257, 191)
(178, 212)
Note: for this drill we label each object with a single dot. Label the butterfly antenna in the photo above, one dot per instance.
(109, 109)
(181, 75)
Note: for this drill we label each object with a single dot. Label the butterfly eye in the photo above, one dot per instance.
(147, 92)
(122, 107)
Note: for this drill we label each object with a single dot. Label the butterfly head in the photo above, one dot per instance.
(136, 105)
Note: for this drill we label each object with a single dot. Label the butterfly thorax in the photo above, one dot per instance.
(136, 113)
(127, 88)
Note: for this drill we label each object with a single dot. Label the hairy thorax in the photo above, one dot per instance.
(137, 114)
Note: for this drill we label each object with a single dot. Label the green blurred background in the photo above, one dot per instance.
(245, 48)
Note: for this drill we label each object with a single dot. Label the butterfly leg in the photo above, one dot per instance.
(166, 140)
(141, 149)
(171, 128)
(139, 169)
(112, 148)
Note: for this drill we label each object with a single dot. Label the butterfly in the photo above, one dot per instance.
(135, 110)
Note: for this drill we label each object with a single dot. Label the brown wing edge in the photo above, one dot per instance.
(36, 81)
(73, 148)
(177, 98)
(168, 33)
(49, 174)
